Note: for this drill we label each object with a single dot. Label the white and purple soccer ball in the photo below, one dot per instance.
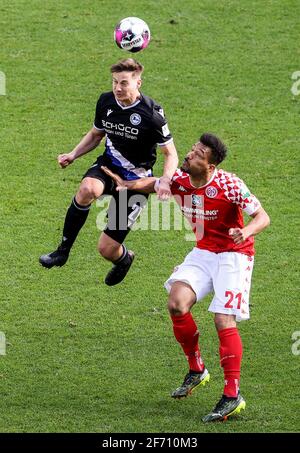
(132, 34)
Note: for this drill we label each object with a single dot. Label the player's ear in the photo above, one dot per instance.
(139, 82)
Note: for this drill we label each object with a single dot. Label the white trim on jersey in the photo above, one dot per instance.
(166, 143)
(126, 164)
(98, 129)
(125, 107)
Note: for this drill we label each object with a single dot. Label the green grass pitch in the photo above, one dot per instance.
(83, 357)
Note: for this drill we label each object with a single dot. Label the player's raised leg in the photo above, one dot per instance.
(181, 300)
(89, 190)
(124, 209)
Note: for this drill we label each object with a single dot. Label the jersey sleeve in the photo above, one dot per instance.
(239, 194)
(178, 173)
(161, 129)
(174, 183)
(98, 115)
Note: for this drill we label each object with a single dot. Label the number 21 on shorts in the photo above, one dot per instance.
(234, 300)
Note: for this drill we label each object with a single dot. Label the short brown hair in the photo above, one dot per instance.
(129, 65)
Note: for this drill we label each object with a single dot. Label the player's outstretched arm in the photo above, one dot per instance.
(90, 141)
(145, 185)
(170, 166)
(260, 220)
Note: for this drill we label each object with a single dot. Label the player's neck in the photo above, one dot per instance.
(201, 180)
(130, 100)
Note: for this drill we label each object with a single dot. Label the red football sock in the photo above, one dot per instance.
(231, 351)
(187, 334)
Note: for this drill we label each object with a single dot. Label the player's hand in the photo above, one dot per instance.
(237, 235)
(65, 159)
(119, 182)
(164, 191)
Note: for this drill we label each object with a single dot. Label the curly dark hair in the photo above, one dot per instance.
(218, 149)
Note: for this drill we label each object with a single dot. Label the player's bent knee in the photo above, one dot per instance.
(107, 250)
(88, 192)
(103, 250)
(181, 299)
(177, 307)
(85, 195)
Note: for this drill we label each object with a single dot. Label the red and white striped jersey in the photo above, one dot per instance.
(214, 208)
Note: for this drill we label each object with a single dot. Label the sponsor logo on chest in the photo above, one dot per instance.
(197, 200)
(120, 129)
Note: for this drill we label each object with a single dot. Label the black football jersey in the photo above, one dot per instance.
(132, 134)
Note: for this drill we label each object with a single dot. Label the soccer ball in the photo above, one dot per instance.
(132, 34)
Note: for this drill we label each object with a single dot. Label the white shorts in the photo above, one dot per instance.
(227, 274)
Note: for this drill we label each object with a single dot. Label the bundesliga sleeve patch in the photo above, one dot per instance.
(245, 192)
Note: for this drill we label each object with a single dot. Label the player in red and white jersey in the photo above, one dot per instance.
(214, 208)
(222, 262)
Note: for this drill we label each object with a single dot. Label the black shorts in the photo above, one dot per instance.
(125, 206)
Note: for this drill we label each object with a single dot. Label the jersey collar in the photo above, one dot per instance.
(125, 107)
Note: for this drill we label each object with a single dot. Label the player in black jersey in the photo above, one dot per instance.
(133, 125)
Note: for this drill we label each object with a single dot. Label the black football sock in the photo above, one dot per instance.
(74, 221)
(124, 257)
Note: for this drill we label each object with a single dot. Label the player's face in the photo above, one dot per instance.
(196, 162)
(126, 86)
